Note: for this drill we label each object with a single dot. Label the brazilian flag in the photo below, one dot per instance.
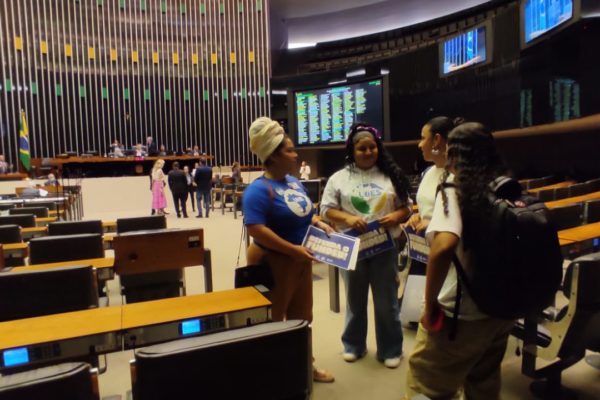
(24, 155)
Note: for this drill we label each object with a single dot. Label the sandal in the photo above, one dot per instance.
(323, 376)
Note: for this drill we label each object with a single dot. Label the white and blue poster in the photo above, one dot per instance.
(375, 240)
(418, 249)
(335, 249)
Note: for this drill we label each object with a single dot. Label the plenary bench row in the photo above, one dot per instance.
(206, 365)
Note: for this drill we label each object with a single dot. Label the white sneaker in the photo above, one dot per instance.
(351, 357)
(392, 362)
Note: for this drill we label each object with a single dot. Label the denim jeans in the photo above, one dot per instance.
(381, 273)
(203, 194)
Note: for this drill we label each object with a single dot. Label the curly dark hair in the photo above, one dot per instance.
(385, 162)
(473, 157)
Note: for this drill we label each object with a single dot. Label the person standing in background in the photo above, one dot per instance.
(159, 201)
(179, 189)
(203, 179)
(191, 186)
(304, 171)
(236, 172)
(51, 180)
(151, 148)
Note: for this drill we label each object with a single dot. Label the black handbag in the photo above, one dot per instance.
(252, 275)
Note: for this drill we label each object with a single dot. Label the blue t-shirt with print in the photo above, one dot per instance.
(287, 211)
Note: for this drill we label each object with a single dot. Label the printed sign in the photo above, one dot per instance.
(418, 249)
(336, 249)
(375, 240)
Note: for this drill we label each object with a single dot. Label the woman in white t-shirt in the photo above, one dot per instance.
(448, 357)
(371, 187)
(434, 137)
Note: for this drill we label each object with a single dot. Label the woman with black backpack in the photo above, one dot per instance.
(465, 352)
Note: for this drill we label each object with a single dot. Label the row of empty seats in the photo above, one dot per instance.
(576, 189)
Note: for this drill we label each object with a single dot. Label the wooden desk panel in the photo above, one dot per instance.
(20, 249)
(34, 231)
(581, 233)
(44, 221)
(181, 308)
(94, 262)
(554, 186)
(51, 328)
(573, 200)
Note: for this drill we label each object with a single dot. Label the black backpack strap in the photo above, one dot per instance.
(461, 277)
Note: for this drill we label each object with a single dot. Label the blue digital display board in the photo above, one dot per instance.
(15, 356)
(464, 50)
(540, 16)
(190, 327)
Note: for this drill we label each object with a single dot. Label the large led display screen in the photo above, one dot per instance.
(540, 16)
(325, 115)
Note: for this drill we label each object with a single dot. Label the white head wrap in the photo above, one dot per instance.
(265, 136)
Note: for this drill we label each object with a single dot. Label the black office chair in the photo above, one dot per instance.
(580, 189)
(50, 205)
(539, 182)
(75, 227)
(26, 294)
(23, 220)
(565, 217)
(229, 365)
(568, 334)
(561, 193)
(546, 195)
(153, 285)
(51, 249)
(39, 212)
(592, 211)
(67, 381)
(11, 234)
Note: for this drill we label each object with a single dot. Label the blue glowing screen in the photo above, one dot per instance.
(543, 15)
(464, 50)
(190, 327)
(15, 356)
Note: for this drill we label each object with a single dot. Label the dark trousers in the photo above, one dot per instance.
(203, 195)
(193, 198)
(180, 198)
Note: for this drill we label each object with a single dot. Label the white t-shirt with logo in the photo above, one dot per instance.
(452, 222)
(364, 193)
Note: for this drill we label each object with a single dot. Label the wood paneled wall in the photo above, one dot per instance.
(86, 72)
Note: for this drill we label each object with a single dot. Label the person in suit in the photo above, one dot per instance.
(203, 179)
(116, 149)
(236, 172)
(179, 188)
(151, 148)
(191, 185)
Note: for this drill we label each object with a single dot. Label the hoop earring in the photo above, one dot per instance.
(435, 151)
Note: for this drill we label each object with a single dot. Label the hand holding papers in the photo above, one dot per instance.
(376, 239)
(336, 249)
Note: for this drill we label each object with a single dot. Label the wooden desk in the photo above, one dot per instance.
(581, 233)
(182, 308)
(564, 242)
(13, 176)
(51, 328)
(44, 221)
(554, 186)
(573, 200)
(34, 231)
(17, 250)
(158, 321)
(104, 266)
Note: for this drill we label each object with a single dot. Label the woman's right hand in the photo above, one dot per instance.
(356, 222)
(416, 223)
(302, 253)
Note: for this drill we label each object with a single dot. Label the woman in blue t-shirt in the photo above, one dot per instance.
(277, 213)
